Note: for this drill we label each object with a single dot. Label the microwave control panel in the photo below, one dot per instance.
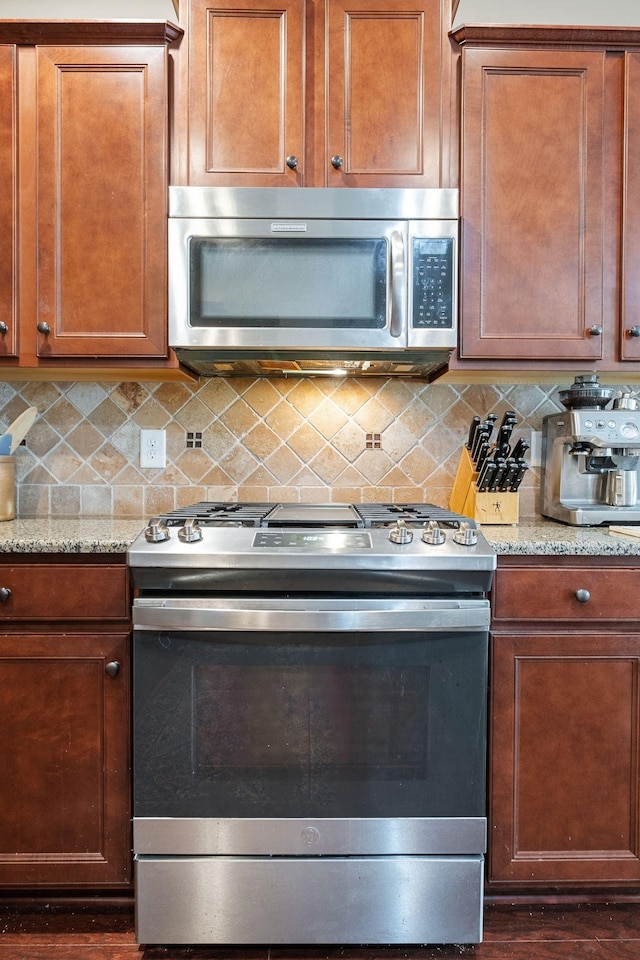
(433, 277)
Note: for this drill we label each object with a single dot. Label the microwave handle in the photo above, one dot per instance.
(397, 282)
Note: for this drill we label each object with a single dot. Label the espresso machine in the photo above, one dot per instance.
(591, 456)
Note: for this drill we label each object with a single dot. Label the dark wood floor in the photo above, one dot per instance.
(512, 932)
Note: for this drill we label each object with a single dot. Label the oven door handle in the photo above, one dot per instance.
(311, 615)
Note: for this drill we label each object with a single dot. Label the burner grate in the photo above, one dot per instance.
(380, 514)
(253, 514)
(243, 514)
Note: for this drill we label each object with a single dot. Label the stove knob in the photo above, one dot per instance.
(191, 532)
(400, 533)
(466, 535)
(433, 533)
(157, 531)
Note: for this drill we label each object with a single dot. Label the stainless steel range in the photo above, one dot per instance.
(310, 724)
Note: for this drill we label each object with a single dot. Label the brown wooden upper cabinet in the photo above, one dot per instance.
(84, 165)
(100, 201)
(550, 198)
(343, 93)
(532, 167)
(630, 319)
(8, 179)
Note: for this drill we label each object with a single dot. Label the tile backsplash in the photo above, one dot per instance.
(316, 440)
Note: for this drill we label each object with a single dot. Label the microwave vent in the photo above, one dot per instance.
(427, 366)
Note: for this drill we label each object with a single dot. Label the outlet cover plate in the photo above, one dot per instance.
(153, 449)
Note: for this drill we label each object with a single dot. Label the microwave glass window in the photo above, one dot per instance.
(297, 282)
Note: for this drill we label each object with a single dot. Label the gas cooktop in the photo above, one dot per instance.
(368, 515)
(402, 547)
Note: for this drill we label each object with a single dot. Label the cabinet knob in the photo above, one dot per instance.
(582, 596)
(5, 594)
(336, 162)
(112, 669)
(634, 331)
(3, 328)
(292, 162)
(595, 330)
(43, 327)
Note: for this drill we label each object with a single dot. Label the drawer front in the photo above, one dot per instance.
(567, 593)
(43, 592)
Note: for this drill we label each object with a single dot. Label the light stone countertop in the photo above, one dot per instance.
(69, 535)
(549, 538)
(111, 535)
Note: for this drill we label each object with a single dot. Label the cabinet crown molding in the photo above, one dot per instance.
(31, 32)
(500, 34)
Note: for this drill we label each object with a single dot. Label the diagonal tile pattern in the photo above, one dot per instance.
(261, 439)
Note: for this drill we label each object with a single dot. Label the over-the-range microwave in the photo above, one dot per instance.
(291, 281)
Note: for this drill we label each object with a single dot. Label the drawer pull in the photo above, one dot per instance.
(582, 596)
(5, 594)
(112, 669)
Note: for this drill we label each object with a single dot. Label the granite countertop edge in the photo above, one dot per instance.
(109, 535)
(549, 538)
(89, 535)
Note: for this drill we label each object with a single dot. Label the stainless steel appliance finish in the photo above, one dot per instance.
(310, 901)
(312, 202)
(296, 282)
(310, 724)
(591, 459)
(262, 837)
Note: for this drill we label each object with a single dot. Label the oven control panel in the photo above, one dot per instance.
(314, 539)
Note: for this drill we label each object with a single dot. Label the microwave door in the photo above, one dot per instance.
(288, 284)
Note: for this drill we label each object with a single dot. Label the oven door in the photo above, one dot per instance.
(366, 719)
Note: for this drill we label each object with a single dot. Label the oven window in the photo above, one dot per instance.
(369, 726)
(346, 733)
(288, 283)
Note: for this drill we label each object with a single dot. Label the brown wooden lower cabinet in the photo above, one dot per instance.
(64, 738)
(564, 726)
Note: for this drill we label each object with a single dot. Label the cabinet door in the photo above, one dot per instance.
(384, 74)
(246, 92)
(532, 204)
(101, 127)
(8, 234)
(564, 759)
(64, 741)
(630, 339)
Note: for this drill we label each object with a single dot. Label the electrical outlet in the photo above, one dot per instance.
(153, 448)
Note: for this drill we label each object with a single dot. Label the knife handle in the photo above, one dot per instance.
(523, 466)
(510, 417)
(520, 448)
(475, 423)
(483, 453)
(481, 437)
(490, 420)
(485, 478)
(501, 466)
(509, 474)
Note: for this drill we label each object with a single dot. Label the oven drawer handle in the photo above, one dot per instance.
(422, 617)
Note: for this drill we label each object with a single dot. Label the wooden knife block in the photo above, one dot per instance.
(488, 507)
